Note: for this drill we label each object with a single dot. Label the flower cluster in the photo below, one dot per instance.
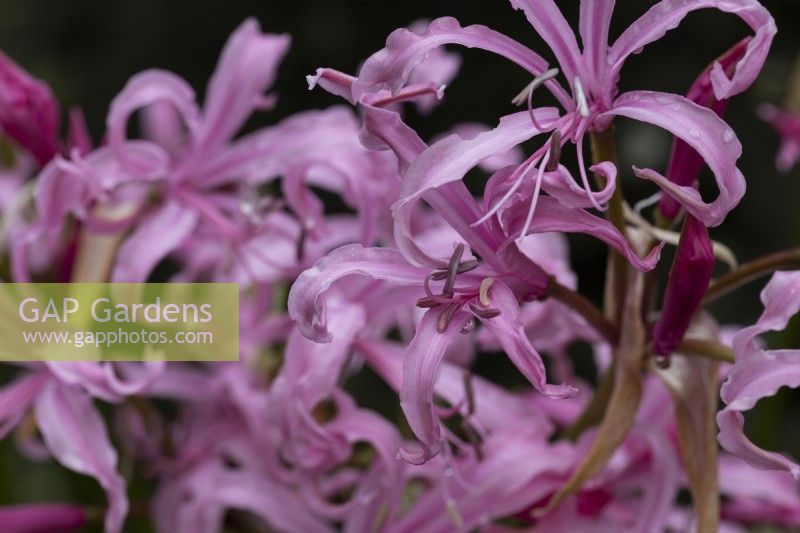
(358, 402)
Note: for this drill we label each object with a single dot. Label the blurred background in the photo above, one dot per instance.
(86, 50)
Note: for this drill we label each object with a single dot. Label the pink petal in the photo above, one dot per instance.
(75, 434)
(550, 24)
(422, 359)
(553, 216)
(306, 299)
(509, 331)
(246, 68)
(16, 398)
(667, 14)
(704, 131)
(144, 90)
(595, 19)
(152, 240)
(392, 67)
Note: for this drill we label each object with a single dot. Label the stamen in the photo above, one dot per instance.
(489, 214)
(554, 157)
(527, 94)
(452, 270)
(446, 317)
(580, 98)
(537, 82)
(536, 190)
(483, 293)
(466, 266)
(427, 302)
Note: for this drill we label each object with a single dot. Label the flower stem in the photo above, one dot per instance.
(750, 271)
(584, 307)
(603, 149)
(708, 349)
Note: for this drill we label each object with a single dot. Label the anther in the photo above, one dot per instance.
(452, 270)
(483, 293)
(555, 151)
(466, 266)
(537, 82)
(484, 312)
(427, 303)
(446, 317)
(527, 94)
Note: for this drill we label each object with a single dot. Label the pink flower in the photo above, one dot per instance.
(759, 373)
(592, 100)
(787, 125)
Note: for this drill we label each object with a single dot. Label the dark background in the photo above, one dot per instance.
(86, 50)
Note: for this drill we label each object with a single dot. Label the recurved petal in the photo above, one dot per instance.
(391, 67)
(144, 90)
(75, 434)
(667, 14)
(507, 327)
(307, 297)
(553, 216)
(781, 299)
(706, 133)
(422, 359)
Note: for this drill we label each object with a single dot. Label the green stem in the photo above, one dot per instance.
(604, 149)
(750, 271)
(707, 349)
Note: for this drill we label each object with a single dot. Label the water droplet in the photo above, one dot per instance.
(728, 135)
(694, 133)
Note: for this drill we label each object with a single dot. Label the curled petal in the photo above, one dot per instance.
(422, 359)
(391, 67)
(667, 14)
(144, 90)
(552, 216)
(509, 330)
(306, 299)
(706, 133)
(75, 434)
(781, 299)
(685, 163)
(444, 165)
(760, 376)
(562, 186)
